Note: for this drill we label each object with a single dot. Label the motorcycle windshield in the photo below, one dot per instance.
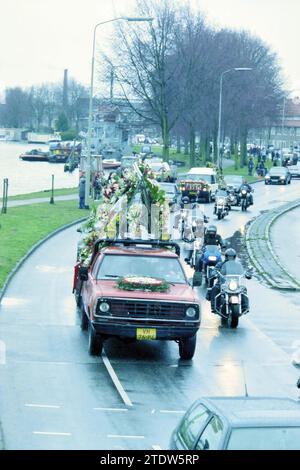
(232, 268)
(212, 250)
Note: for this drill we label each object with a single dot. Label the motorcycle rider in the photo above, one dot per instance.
(228, 266)
(223, 192)
(249, 189)
(211, 237)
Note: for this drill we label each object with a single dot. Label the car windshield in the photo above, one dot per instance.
(114, 266)
(277, 171)
(170, 189)
(268, 438)
(157, 166)
(194, 177)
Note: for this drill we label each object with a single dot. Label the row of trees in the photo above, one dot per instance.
(42, 108)
(173, 67)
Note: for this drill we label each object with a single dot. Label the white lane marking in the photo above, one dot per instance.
(33, 405)
(117, 436)
(172, 411)
(110, 409)
(48, 433)
(156, 447)
(115, 380)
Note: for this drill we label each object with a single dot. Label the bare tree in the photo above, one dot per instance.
(145, 69)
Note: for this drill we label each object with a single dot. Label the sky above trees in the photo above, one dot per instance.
(39, 39)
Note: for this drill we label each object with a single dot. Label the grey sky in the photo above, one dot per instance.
(40, 38)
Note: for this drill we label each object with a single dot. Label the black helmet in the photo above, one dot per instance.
(230, 254)
(211, 230)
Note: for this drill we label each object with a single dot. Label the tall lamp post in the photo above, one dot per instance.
(236, 69)
(89, 136)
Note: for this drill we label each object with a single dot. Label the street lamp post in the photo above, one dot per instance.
(89, 136)
(236, 69)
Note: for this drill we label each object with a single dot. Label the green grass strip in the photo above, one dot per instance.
(22, 227)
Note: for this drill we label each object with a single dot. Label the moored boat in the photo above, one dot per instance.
(35, 155)
(110, 164)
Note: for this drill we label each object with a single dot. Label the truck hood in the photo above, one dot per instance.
(176, 293)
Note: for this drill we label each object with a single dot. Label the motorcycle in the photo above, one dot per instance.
(211, 257)
(245, 199)
(232, 302)
(221, 205)
(233, 198)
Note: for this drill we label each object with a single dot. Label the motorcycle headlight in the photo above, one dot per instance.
(212, 258)
(244, 192)
(233, 285)
(221, 201)
(191, 312)
(104, 307)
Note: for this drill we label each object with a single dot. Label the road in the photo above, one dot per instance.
(53, 395)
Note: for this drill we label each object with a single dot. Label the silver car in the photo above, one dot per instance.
(239, 423)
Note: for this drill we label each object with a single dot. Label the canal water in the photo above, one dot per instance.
(27, 177)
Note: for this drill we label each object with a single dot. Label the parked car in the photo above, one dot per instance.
(278, 175)
(239, 423)
(295, 171)
(172, 192)
(112, 303)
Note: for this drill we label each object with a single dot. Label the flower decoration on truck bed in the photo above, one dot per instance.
(130, 202)
(146, 284)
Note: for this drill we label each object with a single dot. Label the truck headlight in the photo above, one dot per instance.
(191, 312)
(104, 307)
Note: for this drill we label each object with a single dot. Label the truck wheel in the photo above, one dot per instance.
(95, 342)
(187, 347)
(233, 319)
(84, 322)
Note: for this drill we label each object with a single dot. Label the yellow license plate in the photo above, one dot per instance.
(145, 333)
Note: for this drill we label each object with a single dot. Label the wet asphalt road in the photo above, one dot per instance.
(53, 395)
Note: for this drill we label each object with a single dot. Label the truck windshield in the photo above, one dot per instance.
(197, 177)
(114, 266)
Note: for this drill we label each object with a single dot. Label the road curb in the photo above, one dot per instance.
(289, 283)
(29, 253)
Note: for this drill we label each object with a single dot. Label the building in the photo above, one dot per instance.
(285, 132)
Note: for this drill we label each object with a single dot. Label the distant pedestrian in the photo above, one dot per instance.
(81, 190)
(250, 166)
(97, 186)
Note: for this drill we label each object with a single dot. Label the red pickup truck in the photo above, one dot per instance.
(108, 307)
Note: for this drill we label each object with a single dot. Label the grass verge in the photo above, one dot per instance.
(24, 226)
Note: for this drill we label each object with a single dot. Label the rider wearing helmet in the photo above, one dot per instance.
(229, 266)
(211, 236)
(249, 189)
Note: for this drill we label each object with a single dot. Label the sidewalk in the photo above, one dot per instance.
(261, 250)
(25, 202)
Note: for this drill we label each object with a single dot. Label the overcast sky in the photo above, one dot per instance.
(41, 38)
